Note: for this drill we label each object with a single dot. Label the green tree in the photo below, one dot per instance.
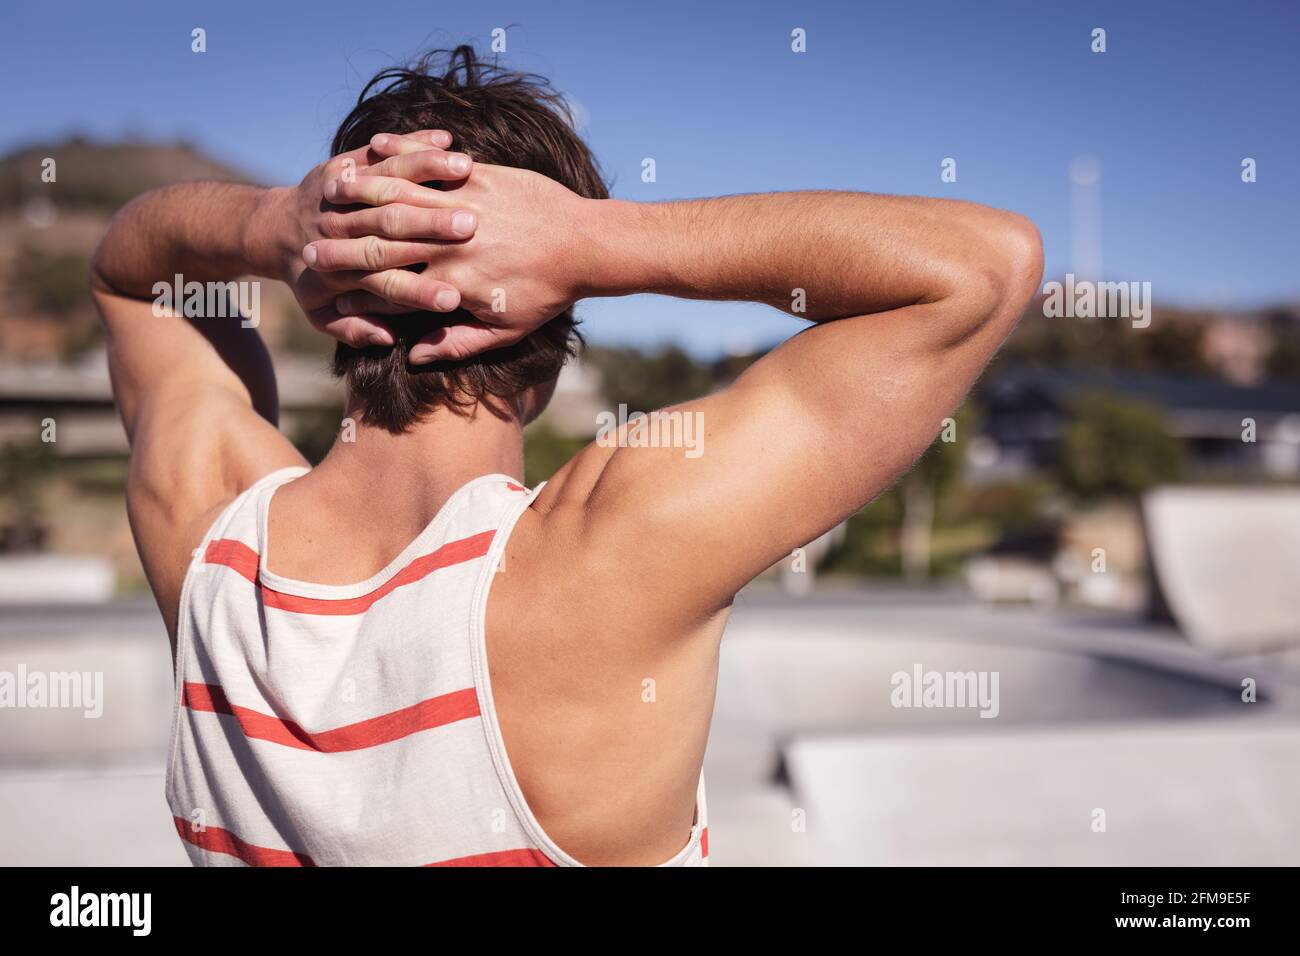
(1284, 357)
(546, 451)
(645, 382)
(24, 469)
(1116, 447)
(315, 430)
(894, 532)
(870, 543)
(932, 478)
(53, 282)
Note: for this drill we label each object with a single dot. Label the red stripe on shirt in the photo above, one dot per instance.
(434, 712)
(244, 560)
(233, 554)
(217, 840)
(500, 858)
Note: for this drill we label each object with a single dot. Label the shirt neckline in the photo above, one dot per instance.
(418, 546)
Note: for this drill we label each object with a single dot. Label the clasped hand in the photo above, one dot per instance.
(480, 262)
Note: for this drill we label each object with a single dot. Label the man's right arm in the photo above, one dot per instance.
(910, 298)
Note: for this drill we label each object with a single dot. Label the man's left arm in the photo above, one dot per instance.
(197, 395)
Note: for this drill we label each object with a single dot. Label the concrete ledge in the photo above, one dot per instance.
(1174, 795)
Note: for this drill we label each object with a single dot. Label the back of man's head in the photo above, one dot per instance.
(499, 117)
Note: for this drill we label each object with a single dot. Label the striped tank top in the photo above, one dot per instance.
(326, 725)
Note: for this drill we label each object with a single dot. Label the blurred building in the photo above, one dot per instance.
(1028, 410)
(77, 396)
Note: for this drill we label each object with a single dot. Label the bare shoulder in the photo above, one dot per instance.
(569, 527)
(550, 535)
(570, 489)
(581, 549)
(187, 465)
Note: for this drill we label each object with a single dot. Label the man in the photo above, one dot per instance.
(433, 664)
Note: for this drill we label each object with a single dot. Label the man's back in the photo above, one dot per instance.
(604, 697)
(353, 722)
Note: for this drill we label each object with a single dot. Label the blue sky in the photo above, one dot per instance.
(714, 94)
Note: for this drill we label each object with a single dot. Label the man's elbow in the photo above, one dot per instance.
(1004, 277)
(1022, 258)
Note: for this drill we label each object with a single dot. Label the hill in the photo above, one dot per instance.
(49, 230)
(103, 176)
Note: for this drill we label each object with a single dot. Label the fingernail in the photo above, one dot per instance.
(440, 137)
(445, 300)
(344, 305)
(309, 255)
(379, 140)
(458, 163)
(421, 356)
(380, 338)
(331, 189)
(463, 223)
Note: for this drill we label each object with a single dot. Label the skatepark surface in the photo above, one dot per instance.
(1113, 741)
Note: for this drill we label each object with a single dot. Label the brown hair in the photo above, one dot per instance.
(500, 117)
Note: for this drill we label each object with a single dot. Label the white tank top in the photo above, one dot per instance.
(322, 725)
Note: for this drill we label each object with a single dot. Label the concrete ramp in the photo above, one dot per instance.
(1227, 564)
(1198, 794)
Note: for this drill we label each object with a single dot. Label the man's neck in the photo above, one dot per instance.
(410, 476)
